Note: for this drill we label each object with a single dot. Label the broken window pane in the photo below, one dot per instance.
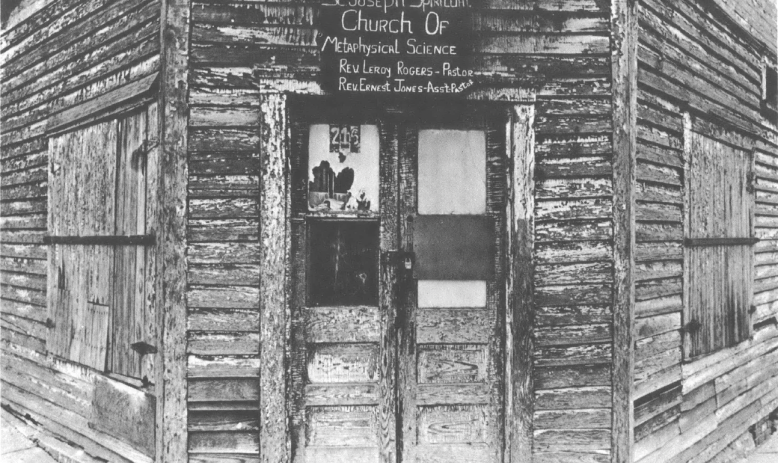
(343, 169)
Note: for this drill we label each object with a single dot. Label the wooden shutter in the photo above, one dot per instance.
(101, 270)
(129, 270)
(719, 255)
(81, 203)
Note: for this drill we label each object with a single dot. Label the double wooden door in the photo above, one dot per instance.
(398, 318)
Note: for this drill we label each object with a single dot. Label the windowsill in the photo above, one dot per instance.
(705, 363)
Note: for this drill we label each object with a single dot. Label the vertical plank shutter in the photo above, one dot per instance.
(83, 165)
(129, 270)
(99, 287)
(719, 246)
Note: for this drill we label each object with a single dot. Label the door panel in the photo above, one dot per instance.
(384, 367)
(451, 343)
(342, 391)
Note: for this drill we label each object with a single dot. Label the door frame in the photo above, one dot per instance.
(518, 231)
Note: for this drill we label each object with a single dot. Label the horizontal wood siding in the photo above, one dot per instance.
(573, 279)
(65, 53)
(757, 17)
(557, 50)
(223, 252)
(691, 59)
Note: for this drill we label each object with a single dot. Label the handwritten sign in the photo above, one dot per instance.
(396, 46)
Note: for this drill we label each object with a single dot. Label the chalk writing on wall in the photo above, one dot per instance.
(395, 46)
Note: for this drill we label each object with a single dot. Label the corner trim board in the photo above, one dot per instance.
(624, 32)
(519, 400)
(275, 252)
(173, 119)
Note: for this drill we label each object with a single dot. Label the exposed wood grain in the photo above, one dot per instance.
(225, 366)
(224, 441)
(572, 315)
(170, 383)
(573, 398)
(651, 346)
(223, 389)
(452, 424)
(656, 404)
(572, 334)
(340, 394)
(342, 324)
(573, 355)
(222, 319)
(70, 426)
(573, 419)
(578, 439)
(452, 364)
(125, 413)
(624, 33)
(233, 343)
(64, 74)
(453, 325)
(273, 303)
(389, 299)
(326, 425)
(351, 363)
(407, 297)
(452, 394)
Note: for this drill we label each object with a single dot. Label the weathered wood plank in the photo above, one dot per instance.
(237, 297)
(573, 355)
(170, 252)
(572, 252)
(224, 274)
(222, 320)
(211, 230)
(235, 343)
(518, 361)
(342, 324)
(568, 274)
(349, 363)
(223, 441)
(451, 363)
(573, 398)
(201, 366)
(549, 440)
(572, 335)
(574, 294)
(572, 315)
(274, 253)
(222, 389)
(453, 325)
(125, 413)
(655, 345)
(573, 419)
(600, 230)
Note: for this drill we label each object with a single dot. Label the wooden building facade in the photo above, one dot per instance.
(218, 247)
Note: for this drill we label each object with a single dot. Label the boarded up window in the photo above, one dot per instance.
(719, 254)
(101, 205)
